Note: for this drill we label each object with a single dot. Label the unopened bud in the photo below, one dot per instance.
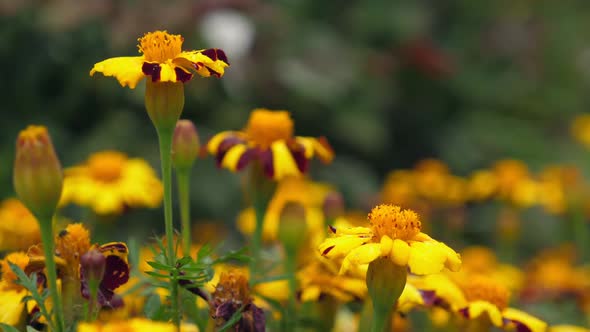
(333, 205)
(164, 102)
(293, 226)
(185, 144)
(38, 176)
(93, 264)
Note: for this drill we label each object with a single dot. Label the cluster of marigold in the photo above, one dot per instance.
(297, 228)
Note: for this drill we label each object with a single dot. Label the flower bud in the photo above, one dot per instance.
(164, 102)
(333, 205)
(37, 174)
(93, 265)
(185, 144)
(293, 226)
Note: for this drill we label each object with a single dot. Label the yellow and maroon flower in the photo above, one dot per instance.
(164, 61)
(268, 139)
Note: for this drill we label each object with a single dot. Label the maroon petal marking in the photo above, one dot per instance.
(224, 146)
(266, 159)
(300, 160)
(520, 327)
(327, 250)
(221, 55)
(182, 76)
(213, 72)
(465, 312)
(116, 273)
(211, 53)
(332, 229)
(245, 158)
(428, 296)
(152, 69)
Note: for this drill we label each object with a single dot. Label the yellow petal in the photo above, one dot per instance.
(400, 252)
(409, 299)
(283, 162)
(11, 306)
(311, 293)
(127, 70)
(516, 316)
(386, 245)
(567, 328)
(479, 308)
(427, 257)
(202, 61)
(231, 158)
(340, 246)
(364, 254)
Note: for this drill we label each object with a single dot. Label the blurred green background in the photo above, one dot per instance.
(388, 82)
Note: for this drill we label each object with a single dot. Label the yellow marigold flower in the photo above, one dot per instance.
(478, 260)
(515, 183)
(308, 194)
(9, 278)
(580, 129)
(394, 234)
(134, 325)
(109, 182)
(488, 302)
(19, 229)
(482, 185)
(268, 140)
(320, 277)
(164, 61)
(12, 307)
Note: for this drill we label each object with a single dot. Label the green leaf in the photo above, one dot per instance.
(184, 261)
(8, 328)
(233, 320)
(160, 266)
(152, 306)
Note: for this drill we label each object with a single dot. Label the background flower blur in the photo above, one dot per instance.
(389, 83)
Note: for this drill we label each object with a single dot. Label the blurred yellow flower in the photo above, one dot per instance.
(580, 129)
(18, 227)
(308, 194)
(12, 307)
(134, 325)
(164, 61)
(567, 328)
(109, 182)
(394, 234)
(268, 141)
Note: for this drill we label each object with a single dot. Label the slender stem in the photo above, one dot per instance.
(46, 227)
(581, 233)
(291, 267)
(165, 141)
(183, 179)
(381, 320)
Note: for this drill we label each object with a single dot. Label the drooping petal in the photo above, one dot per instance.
(476, 309)
(311, 293)
(340, 246)
(447, 293)
(427, 257)
(364, 254)
(283, 162)
(214, 143)
(233, 156)
(522, 322)
(127, 70)
(409, 299)
(204, 62)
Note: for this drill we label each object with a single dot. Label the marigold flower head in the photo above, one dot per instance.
(394, 234)
(19, 229)
(164, 61)
(231, 294)
(268, 139)
(109, 182)
(133, 325)
(71, 243)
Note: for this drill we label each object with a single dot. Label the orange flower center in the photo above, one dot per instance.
(481, 288)
(159, 46)
(232, 287)
(106, 166)
(72, 242)
(19, 259)
(391, 220)
(265, 127)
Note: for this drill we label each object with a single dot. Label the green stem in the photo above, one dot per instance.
(291, 267)
(381, 320)
(46, 227)
(165, 141)
(581, 234)
(182, 179)
(259, 211)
